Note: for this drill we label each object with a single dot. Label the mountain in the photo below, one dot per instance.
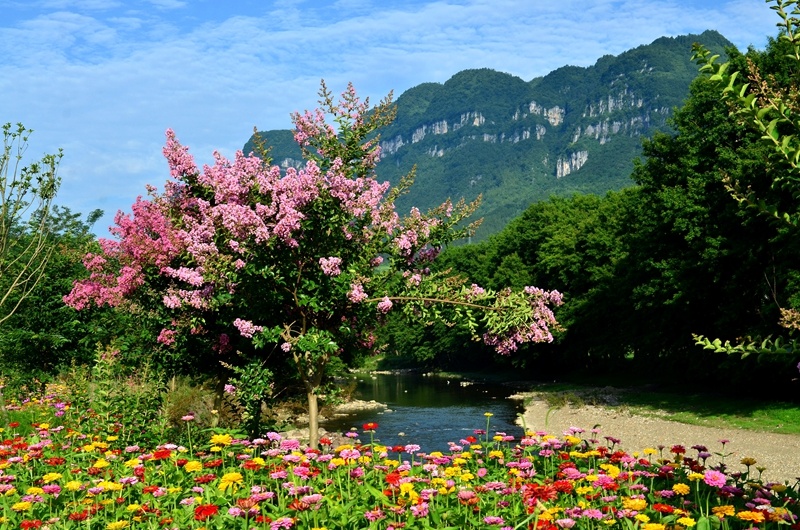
(577, 129)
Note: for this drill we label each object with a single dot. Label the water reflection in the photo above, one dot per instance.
(430, 411)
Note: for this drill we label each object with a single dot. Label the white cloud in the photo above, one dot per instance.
(105, 80)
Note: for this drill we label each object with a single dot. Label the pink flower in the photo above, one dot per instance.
(330, 266)
(385, 305)
(246, 328)
(715, 478)
(356, 293)
(167, 337)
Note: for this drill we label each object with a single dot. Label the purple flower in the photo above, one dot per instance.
(493, 519)
(230, 389)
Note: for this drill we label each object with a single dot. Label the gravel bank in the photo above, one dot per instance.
(778, 453)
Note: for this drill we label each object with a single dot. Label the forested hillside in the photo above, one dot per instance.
(644, 269)
(516, 142)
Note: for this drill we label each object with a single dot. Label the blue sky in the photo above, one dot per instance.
(103, 79)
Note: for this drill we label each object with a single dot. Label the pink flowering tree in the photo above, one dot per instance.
(300, 264)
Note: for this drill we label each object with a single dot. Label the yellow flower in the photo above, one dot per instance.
(110, 486)
(722, 511)
(319, 528)
(230, 480)
(33, 490)
(133, 462)
(74, 485)
(193, 466)
(407, 490)
(133, 507)
(112, 438)
(44, 426)
(572, 440)
(748, 461)
(695, 476)
(119, 525)
(681, 489)
(51, 477)
(612, 470)
(21, 506)
(221, 439)
(650, 451)
(753, 517)
(642, 518)
(583, 490)
(11, 492)
(496, 454)
(688, 522)
(488, 414)
(652, 526)
(466, 477)
(101, 463)
(634, 504)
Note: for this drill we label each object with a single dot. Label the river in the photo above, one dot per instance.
(430, 411)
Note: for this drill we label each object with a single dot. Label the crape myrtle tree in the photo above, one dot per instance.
(302, 264)
(763, 95)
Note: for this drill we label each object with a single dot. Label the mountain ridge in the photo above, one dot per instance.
(490, 133)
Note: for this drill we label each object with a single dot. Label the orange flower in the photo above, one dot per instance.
(753, 517)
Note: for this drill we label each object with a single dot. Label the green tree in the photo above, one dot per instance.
(26, 194)
(43, 334)
(761, 94)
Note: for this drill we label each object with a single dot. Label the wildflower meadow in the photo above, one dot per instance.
(56, 474)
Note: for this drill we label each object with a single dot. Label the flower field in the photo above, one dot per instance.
(53, 475)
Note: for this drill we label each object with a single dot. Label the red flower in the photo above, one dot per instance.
(563, 486)
(393, 478)
(205, 479)
(79, 516)
(14, 424)
(263, 519)
(471, 439)
(54, 461)
(181, 462)
(150, 489)
(204, 511)
(325, 441)
(252, 466)
(213, 463)
(678, 449)
(161, 454)
(663, 508)
(371, 426)
(31, 523)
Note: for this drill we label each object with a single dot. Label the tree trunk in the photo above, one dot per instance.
(313, 421)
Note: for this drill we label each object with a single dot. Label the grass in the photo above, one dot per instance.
(706, 409)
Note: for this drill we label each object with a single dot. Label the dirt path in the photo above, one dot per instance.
(778, 453)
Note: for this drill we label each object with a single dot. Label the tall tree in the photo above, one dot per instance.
(762, 95)
(26, 194)
(302, 264)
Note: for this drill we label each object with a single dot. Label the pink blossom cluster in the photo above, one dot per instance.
(246, 327)
(536, 328)
(330, 266)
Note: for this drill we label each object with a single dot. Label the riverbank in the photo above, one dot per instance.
(779, 454)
